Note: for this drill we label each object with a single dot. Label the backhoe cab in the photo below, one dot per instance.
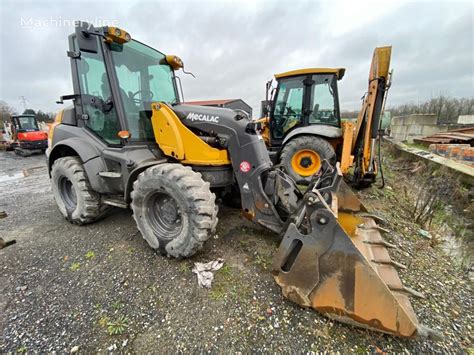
(302, 126)
(302, 123)
(127, 141)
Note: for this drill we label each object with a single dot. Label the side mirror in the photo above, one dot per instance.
(265, 108)
(85, 39)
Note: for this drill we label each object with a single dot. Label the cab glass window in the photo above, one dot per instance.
(323, 100)
(27, 123)
(143, 78)
(94, 81)
(288, 105)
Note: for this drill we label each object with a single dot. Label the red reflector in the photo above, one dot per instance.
(245, 166)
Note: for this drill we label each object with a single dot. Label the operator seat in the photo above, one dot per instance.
(128, 103)
(314, 114)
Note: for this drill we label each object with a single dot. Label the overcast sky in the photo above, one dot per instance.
(234, 48)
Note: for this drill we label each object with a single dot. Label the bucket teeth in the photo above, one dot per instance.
(390, 262)
(377, 227)
(376, 218)
(409, 291)
(381, 242)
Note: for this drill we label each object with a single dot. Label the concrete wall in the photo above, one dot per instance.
(466, 119)
(409, 127)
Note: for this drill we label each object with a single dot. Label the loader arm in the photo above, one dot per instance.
(359, 139)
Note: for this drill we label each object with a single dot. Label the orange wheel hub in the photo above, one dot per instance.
(306, 162)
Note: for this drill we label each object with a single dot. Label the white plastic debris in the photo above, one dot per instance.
(112, 347)
(205, 271)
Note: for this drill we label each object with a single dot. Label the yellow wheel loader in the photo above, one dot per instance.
(127, 141)
(302, 124)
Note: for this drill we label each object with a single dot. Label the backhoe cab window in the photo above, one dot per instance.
(323, 101)
(142, 80)
(288, 106)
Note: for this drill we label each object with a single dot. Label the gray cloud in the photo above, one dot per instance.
(233, 48)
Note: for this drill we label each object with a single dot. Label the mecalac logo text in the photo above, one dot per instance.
(200, 117)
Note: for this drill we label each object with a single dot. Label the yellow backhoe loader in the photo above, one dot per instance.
(302, 124)
(127, 141)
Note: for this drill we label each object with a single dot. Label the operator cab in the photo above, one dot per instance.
(116, 78)
(302, 98)
(25, 123)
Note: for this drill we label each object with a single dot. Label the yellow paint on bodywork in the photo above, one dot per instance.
(265, 129)
(338, 71)
(57, 121)
(179, 142)
(347, 158)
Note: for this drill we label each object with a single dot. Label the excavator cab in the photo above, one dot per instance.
(25, 123)
(127, 141)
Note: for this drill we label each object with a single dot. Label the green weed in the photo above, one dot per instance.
(118, 326)
(75, 266)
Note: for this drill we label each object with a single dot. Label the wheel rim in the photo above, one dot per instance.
(306, 162)
(67, 192)
(164, 215)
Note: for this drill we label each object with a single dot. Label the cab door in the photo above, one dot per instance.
(288, 107)
(95, 106)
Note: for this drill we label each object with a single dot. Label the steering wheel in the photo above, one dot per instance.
(290, 111)
(148, 95)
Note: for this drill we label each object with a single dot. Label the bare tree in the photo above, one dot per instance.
(447, 109)
(5, 112)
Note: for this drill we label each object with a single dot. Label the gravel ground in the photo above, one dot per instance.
(64, 288)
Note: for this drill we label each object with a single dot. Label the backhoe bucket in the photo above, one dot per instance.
(342, 269)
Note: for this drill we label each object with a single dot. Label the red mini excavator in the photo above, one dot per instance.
(24, 136)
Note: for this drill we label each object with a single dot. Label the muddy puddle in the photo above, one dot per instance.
(20, 174)
(10, 177)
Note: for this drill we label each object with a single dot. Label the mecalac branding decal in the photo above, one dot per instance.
(200, 117)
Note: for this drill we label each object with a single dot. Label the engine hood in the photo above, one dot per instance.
(192, 114)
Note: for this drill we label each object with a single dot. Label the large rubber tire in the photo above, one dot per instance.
(174, 209)
(313, 149)
(74, 196)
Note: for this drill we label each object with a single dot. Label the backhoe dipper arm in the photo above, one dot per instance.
(366, 130)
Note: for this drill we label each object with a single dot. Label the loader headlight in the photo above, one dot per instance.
(116, 35)
(174, 61)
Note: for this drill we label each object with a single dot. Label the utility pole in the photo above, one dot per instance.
(23, 102)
